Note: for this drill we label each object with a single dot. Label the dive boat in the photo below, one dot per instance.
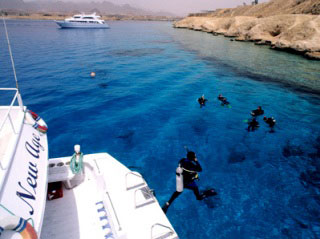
(82, 196)
(83, 21)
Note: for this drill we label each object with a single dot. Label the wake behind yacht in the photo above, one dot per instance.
(83, 21)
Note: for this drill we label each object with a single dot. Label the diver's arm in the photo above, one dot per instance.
(197, 166)
(190, 166)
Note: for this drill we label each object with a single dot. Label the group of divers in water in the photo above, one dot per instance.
(253, 124)
(189, 167)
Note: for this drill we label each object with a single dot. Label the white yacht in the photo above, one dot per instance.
(82, 196)
(83, 21)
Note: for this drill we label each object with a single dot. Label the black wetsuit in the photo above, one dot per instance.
(223, 100)
(202, 101)
(190, 170)
(253, 124)
(257, 112)
(271, 122)
(190, 174)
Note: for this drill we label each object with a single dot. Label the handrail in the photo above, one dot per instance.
(4, 164)
(137, 175)
(114, 211)
(10, 107)
(148, 192)
(171, 232)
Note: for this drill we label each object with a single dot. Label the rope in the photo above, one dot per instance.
(76, 167)
(10, 52)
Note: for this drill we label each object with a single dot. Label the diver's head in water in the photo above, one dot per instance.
(265, 118)
(191, 155)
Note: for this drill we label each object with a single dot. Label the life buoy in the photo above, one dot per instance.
(18, 224)
(36, 121)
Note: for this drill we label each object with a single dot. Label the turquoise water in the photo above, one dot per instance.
(141, 108)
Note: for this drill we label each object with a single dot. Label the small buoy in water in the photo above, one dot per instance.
(92, 74)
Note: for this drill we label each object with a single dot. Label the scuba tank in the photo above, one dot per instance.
(179, 179)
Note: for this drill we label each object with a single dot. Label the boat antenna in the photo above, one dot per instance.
(10, 52)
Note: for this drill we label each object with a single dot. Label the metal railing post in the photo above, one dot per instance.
(171, 232)
(114, 211)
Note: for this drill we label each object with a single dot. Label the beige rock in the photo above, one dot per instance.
(313, 55)
(292, 25)
(271, 8)
(294, 32)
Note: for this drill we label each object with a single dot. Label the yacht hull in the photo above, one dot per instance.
(24, 191)
(65, 24)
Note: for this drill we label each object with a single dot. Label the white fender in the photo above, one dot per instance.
(179, 179)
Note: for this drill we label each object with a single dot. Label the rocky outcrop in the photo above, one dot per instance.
(270, 8)
(298, 33)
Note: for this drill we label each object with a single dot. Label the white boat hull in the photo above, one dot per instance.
(65, 24)
(24, 191)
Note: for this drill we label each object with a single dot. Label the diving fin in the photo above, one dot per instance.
(209, 193)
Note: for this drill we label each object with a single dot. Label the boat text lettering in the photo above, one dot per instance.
(34, 147)
(27, 190)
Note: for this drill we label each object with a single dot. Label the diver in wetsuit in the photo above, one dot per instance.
(270, 121)
(257, 112)
(190, 168)
(223, 100)
(202, 101)
(253, 124)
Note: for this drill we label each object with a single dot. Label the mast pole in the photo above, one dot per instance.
(12, 63)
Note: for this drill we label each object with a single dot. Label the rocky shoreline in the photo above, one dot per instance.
(295, 33)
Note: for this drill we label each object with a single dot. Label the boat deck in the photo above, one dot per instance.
(110, 202)
(74, 216)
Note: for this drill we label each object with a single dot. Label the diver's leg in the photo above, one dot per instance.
(194, 187)
(167, 204)
(174, 196)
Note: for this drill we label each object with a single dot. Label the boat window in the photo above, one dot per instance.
(87, 17)
(76, 17)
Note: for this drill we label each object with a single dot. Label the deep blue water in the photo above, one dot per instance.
(141, 108)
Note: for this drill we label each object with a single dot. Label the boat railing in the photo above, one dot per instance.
(14, 128)
(147, 195)
(7, 116)
(166, 235)
(137, 175)
(102, 185)
(114, 211)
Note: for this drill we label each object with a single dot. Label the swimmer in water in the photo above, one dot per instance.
(202, 101)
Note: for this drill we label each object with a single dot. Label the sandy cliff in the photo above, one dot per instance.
(299, 33)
